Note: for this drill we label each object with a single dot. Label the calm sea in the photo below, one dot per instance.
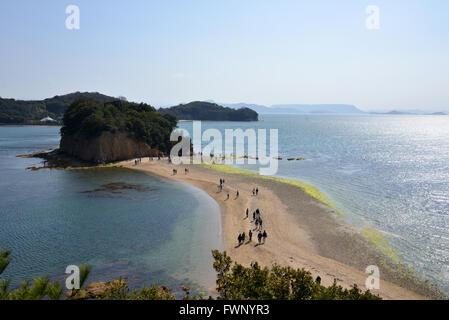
(384, 171)
(387, 172)
(125, 223)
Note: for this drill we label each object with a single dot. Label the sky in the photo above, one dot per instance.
(255, 51)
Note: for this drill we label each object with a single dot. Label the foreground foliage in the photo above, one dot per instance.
(37, 289)
(234, 282)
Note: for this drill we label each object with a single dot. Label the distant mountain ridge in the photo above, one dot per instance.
(31, 111)
(298, 108)
(319, 109)
(411, 112)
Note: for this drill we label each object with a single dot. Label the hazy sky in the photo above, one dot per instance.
(256, 51)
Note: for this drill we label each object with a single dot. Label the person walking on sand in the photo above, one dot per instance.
(227, 196)
(250, 234)
(259, 236)
(260, 223)
(257, 224)
(264, 236)
(243, 237)
(237, 194)
(257, 191)
(247, 213)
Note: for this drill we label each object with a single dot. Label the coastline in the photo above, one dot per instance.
(303, 230)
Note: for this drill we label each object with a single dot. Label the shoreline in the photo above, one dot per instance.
(303, 230)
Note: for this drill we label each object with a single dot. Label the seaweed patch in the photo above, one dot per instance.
(117, 190)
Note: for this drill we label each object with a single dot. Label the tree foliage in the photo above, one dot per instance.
(234, 282)
(121, 291)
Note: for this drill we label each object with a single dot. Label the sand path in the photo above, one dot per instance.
(302, 233)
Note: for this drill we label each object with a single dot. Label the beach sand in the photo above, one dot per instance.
(302, 232)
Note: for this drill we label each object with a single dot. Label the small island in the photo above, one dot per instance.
(206, 111)
(96, 131)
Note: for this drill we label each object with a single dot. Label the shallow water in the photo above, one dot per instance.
(387, 172)
(125, 223)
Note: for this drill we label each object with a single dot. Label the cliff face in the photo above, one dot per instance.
(107, 147)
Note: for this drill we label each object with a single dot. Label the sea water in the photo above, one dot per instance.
(387, 172)
(126, 224)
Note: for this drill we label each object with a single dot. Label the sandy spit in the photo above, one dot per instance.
(302, 232)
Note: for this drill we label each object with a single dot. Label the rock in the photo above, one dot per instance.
(94, 290)
(186, 289)
(107, 147)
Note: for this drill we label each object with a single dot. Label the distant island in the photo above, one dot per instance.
(298, 108)
(343, 109)
(51, 110)
(200, 110)
(97, 131)
(414, 112)
(47, 111)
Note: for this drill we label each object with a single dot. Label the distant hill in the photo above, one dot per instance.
(299, 108)
(411, 112)
(200, 110)
(31, 111)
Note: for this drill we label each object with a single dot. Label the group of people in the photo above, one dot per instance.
(257, 218)
(220, 187)
(139, 160)
(261, 237)
(175, 171)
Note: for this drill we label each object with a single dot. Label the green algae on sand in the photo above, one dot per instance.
(308, 189)
(373, 236)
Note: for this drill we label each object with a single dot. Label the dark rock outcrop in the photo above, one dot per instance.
(107, 147)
